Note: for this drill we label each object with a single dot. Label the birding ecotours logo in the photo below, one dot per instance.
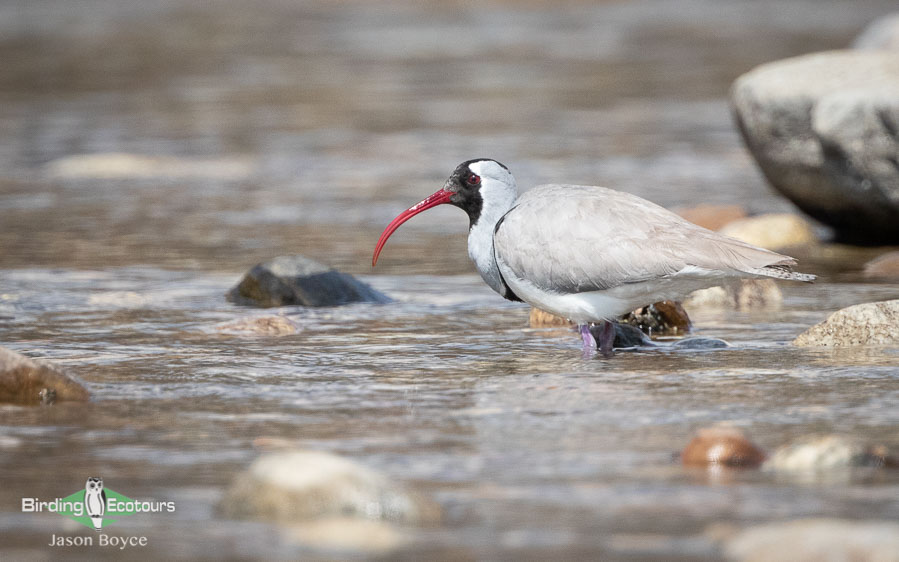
(96, 506)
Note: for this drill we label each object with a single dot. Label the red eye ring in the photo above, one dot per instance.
(473, 179)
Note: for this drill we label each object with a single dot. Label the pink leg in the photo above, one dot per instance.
(589, 341)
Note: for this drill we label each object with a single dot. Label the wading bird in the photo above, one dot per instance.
(589, 254)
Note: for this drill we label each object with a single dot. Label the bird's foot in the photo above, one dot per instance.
(606, 337)
(589, 342)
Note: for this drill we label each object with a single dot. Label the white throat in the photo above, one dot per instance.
(498, 194)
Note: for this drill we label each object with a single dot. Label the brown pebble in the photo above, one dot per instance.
(885, 266)
(722, 446)
(712, 217)
(542, 319)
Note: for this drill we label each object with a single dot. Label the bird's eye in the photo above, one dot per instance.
(473, 179)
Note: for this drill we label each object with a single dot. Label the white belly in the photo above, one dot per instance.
(608, 304)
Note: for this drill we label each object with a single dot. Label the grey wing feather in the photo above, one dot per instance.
(581, 238)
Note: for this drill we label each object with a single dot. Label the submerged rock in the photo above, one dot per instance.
(295, 486)
(824, 128)
(298, 280)
(713, 217)
(773, 231)
(882, 33)
(885, 266)
(723, 446)
(826, 453)
(31, 382)
(627, 336)
(742, 294)
(873, 323)
(116, 165)
(813, 540)
(260, 326)
(542, 319)
(665, 318)
(346, 534)
(700, 343)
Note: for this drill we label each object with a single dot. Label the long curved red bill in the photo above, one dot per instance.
(437, 198)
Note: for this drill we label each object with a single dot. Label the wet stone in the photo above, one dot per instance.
(722, 446)
(884, 267)
(713, 217)
(31, 382)
(827, 453)
(297, 280)
(740, 294)
(823, 129)
(816, 539)
(297, 486)
(627, 336)
(700, 343)
(665, 318)
(772, 231)
(873, 323)
(260, 326)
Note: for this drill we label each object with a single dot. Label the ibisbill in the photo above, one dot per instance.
(586, 253)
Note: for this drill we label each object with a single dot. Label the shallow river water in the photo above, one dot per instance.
(304, 128)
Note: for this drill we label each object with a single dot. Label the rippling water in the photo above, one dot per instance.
(303, 128)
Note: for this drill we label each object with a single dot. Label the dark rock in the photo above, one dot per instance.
(627, 336)
(824, 128)
(723, 446)
(882, 33)
(665, 318)
(297, 280)
(873, 323)
(700, 343)
(31, 382)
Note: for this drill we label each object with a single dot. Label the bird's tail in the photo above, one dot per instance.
(785, 271)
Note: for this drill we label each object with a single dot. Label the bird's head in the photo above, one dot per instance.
(475, 186)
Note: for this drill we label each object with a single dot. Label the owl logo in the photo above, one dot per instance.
(95, 501)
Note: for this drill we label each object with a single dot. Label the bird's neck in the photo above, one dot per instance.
(497, 201)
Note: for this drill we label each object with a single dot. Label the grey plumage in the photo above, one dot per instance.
(594, 239)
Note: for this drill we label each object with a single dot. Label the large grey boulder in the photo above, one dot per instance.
(28, 381)
(297, 280)
(873, 323)
(824, 128)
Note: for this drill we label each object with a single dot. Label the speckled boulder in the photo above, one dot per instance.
(873, 323)
(826, 453)
(297, 280)
(824, 128)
